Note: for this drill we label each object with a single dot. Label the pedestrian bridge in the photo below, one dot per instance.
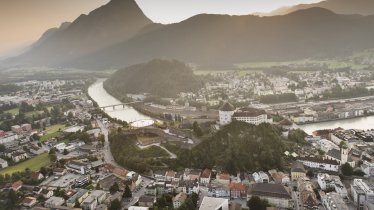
(117, 106)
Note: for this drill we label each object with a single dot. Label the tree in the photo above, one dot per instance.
(66, 152)
(127, 193)
(12, 196)
(255, 203)
(115, 205)
(114, 188)
(197, 129)
(53, 157)
(310, 173)
(77, 204)
(347, 169)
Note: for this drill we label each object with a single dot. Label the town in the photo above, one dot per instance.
(59, 149)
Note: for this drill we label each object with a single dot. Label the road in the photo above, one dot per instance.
(108, 158)
(172, 155)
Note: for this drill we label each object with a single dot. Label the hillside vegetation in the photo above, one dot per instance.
(158, 77)
(236, 147)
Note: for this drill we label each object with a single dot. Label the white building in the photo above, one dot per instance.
(3, 163)
(361, 193)
(9, 137)
(179, 199)
(93, 200)
(225, 113)
(367, 168)
(326, 181)
(252, 116)
(324, 164)
(54, 201)
(210, 203)
(260, 177)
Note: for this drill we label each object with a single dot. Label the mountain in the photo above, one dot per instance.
(114, 22)
(159, 77)
(223, 39)
(119, 35)
(349, 7)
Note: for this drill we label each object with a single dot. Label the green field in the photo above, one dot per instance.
(52, 132)
(34, 164)
(14, 111)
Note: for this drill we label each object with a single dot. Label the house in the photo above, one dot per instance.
(218, 191)
(3, 163)
(17, 185)
(260, 177)
(93, 200)
(279, 177)
(170, 175)
(151, 189)
(18, 156)
(59, 171)
(205, 176)
(29, 201)
(210, 203)
(54, 202)
(147, 201)
(297, 171)
(179, 199)
(77, 197)
(46, 193)
(37, 190)
(223, 178)
(238, 190)
(189, 187)
(36, 176)
(191, 174)
(275, 194)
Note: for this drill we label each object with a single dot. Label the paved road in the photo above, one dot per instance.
(108, 158)
(172, 155)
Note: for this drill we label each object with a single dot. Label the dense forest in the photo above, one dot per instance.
(158, 77)
(128, 154)
(236, 147)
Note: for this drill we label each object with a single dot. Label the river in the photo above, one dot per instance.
(103, 98)
(362, 123)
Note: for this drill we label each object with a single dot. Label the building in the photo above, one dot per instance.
(260, 177)
(29, 201)
(78, 196)
(210, 203)
(307, 196)
(279, 177)
(147, 201)
(252, 116)
(223, 178)
(366, 167)
(225, 113)
(179, 199)
(297, 171)
(8, 137)
(54, 202)
(26, 127)
(205, 176)
(326, 181)
(78, 167)
(16, 129)
(324, 164)
(275, 194)
(361, 193)
(333, 201)
(93, 200)
(3, 163)
(138, 208)
(238, 190)
(17, 185)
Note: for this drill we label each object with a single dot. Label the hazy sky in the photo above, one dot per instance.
(23, 21)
